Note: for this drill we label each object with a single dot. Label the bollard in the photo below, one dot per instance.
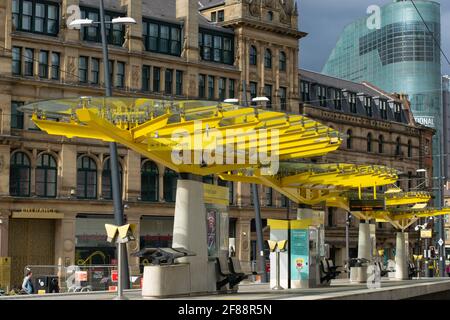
(278, 286)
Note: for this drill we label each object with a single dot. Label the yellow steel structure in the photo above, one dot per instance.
(231, 136)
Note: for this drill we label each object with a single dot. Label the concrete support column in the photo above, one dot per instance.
(401, 258)
(189, 231)
(364, 241)
(4, 228)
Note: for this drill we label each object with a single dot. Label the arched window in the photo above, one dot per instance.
(282, 61)
(253, 56)
(380, 144)
(170, 185)
(86, 178)
(268, 59)
(106, 180)
(369, 142)
(46, 174)
(398, 147)
(150, 182)
(19, 175)
(349, 139)
(410, 149)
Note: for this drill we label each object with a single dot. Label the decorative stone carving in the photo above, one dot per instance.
(254, 7)
(270, 3)
(68, 245)
(72, 67)
(136, 76)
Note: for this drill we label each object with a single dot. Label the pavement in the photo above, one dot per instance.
(339, 290)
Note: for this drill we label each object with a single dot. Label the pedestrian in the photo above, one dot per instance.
(27, 284)
(447, 270)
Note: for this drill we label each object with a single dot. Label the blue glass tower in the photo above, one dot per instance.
(395, 50)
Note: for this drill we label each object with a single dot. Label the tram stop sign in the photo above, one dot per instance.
(441, 242)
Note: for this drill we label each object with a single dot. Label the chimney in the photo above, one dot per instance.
(187, 10)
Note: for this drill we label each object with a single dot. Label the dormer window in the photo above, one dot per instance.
(322, 96)
(352, 102)
(383, 109)
(337, 99)
(398, 112)
(213, 16)
(368, 106)
(220, 16)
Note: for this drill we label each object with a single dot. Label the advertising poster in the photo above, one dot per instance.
(299, 254)
(211, 224)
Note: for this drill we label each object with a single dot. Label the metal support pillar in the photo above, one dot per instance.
(259, 235)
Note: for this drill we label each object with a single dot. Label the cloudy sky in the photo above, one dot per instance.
(324, 20)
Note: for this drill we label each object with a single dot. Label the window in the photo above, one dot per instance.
(270, 16)
(268, 94)
(349, 139)
(253, 92)
(330, 217)
(398, 112)
(36, 16)
(398, 147)
(107, 180)
(222, 88)
(211, 88)
(179, 83)
(46, 174)
(162, 37)
(220, 16)
(115, 33)
(269, 197)
(150, 182)
(201, 85)
(16, 61)
(56, 64)
(216, 47)
(383, 109)
(283, 100)
(337, 99)
(368, 106)
(231, 88)
(322, 95)
(156, 79)
(29, 62)
(284, 201)
(168, 79)
(43, 64)
(120, 77)
(230, 186)
(170, 185)
(111, 71)
(146, 78)
(253, 56)
(369, 142)
(268, 59)
(16, 115)
(380, 144)
(86, 178)
(95, 71)
(352, 102)
(19, 175)
(410, 149)
(304, 87)
(282, 61)
(214, 16)
(83, 69)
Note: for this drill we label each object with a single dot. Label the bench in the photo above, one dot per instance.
(230, 268)
(163, 256)
(328, 271)
(412, 270)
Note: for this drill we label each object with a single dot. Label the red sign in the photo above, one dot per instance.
(114, 276)
(112, 289)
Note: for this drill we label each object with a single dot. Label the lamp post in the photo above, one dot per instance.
(124, 278)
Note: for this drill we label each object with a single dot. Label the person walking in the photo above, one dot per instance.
(447, 270)
(27, 284)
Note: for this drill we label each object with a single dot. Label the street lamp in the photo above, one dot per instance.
(124, 278)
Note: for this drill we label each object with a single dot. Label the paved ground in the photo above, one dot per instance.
(339, 290)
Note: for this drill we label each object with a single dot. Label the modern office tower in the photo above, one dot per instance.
(397, 48)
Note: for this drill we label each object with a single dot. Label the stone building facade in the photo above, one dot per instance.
(55, 192)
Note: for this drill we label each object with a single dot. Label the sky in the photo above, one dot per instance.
(324, 21)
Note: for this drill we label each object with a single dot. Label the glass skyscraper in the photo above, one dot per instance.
(395, 50)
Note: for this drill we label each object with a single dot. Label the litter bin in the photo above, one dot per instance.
(47, 284)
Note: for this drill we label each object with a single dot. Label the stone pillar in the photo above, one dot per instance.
(68, 170)
(5, 36)
(187, 10)
(5, 158)
(401, 258)
(189, 231)
(364, 241)
(65, 240)
(243, 240)
(133, 176)
(133, 37)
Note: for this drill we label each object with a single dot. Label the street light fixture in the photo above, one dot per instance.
(124, 278)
